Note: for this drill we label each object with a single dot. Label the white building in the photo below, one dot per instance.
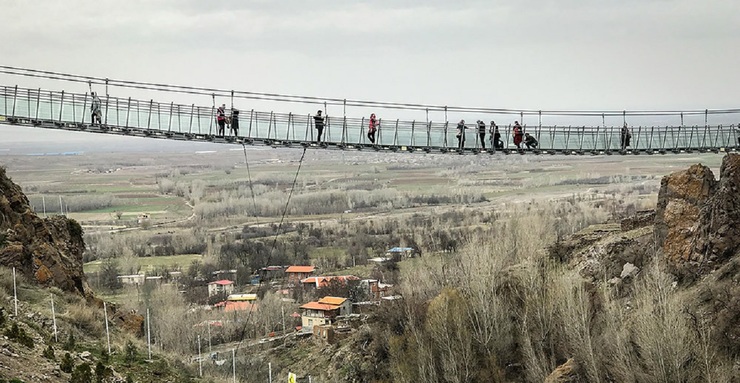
(223, 286)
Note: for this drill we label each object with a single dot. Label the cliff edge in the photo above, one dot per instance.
(46, 250)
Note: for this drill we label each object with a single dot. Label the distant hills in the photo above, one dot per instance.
(15, 140)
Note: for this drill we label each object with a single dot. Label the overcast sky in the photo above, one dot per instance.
(524, 54)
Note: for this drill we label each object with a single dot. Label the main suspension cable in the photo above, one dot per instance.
(332, 100)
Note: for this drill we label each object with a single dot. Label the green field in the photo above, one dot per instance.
(148, 264)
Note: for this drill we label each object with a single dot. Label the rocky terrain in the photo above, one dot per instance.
(47, 254)
(693, 234)
(47, 251)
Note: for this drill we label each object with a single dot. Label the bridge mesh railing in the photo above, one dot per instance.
(35, 106)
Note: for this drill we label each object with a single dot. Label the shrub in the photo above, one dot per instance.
(19, 334)
(49, 353)
(81, 374)
(85, 318)
(69, 345)
(75, 230)
(67, 364)
(130, 353)
(102, 372)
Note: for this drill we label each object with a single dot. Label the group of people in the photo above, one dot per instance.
(519, 137)
(318, 122)
(230, 121)
(495, 136)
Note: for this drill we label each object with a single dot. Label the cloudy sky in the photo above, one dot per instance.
(524, 54)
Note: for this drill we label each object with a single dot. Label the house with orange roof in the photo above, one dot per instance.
(229, 306)
(324, 281)
(323, 312)
(344, 304)
(296, 273)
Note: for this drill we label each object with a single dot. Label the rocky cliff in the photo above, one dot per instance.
(48, 251)
(697, 217)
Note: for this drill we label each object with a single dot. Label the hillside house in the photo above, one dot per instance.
(399, 253)
(242, 297)
(155, 280)
(224, 274)
(297, 273)
(134, 279)
(344, 304)
(375, 289)
(229, 306)
(324, 312)
(223, 286)
(324, 281)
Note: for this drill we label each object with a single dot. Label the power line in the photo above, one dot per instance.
(274, 243)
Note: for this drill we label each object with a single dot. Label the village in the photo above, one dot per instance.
(319, 305)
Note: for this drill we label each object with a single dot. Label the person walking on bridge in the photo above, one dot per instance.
(221, 119)
(235, 122)
(461, 135)
(482, 133)
(518, 135)
(496, 142)
(318, 121)
(625, 136)
(372, 128)
(95, 110)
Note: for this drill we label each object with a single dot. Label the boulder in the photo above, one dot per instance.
(697, 218)
(629, 271)
(129, 321)
(718, 237)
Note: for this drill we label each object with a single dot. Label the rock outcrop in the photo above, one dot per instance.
(47, 251)
(696, 218)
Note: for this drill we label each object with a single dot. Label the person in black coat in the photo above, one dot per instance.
(318, 121)
(235, 122)
(625, 137)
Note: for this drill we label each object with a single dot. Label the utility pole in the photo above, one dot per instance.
(107, 331)
(148, 334)
(209, 337)
(200, 359)
(15, 294)
(54, 320)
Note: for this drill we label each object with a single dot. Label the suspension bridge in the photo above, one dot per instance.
(66, 110)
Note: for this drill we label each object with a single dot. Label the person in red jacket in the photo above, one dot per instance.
(372, 127)
(221, 119)
(518, 135)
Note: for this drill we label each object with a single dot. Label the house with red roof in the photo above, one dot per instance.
(324, 311)
(223, 286)
(296, 273)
